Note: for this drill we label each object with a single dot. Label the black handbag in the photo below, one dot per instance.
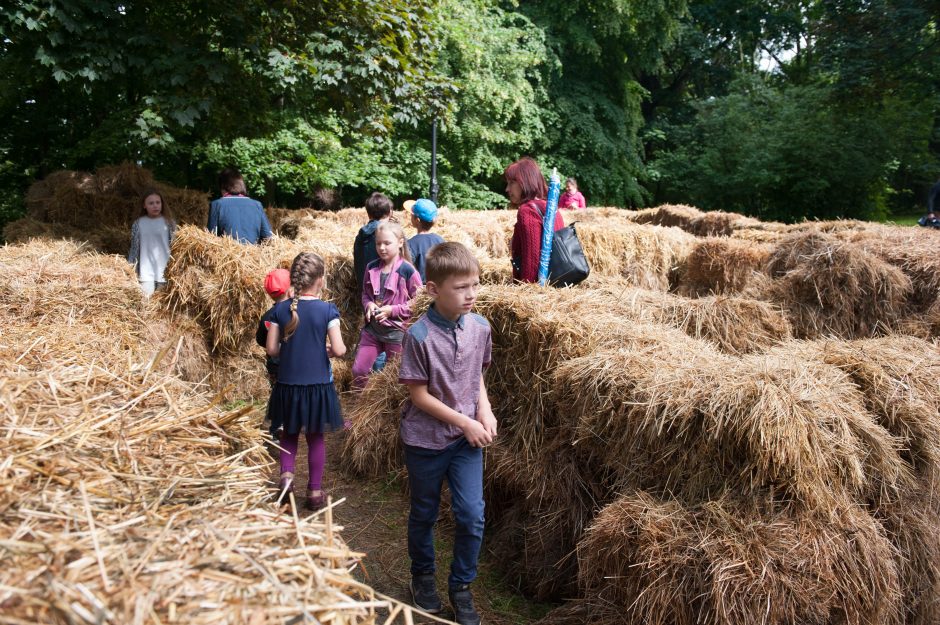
(567, 265)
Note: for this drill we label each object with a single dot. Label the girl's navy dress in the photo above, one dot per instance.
(304, 398)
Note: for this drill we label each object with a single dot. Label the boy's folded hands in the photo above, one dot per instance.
(476, 434)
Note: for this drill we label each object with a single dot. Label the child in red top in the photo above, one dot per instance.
(571, 198)
(526, 189)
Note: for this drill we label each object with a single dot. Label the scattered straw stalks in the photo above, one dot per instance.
(126, 494)
(128, 497)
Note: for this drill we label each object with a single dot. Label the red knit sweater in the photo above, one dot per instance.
(527, 240)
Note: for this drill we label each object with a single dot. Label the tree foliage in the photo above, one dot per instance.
(829, 110)
(783, 108)
(89, 80)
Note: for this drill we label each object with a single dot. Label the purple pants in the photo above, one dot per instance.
(369, 349)
(316, 456)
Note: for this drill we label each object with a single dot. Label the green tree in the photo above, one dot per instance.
(602, 49)
(88, 81)
(786, 153)
(841, 122)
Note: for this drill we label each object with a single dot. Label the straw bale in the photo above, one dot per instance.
(70, 205)
(720, 223)
(721, 266)
(538, 508)
(672, 419)
(912, 250)
(542, 543)
(830, 287)
(351, 216)
(488, 231)
(316, 226)
(758, 234)
(647, 256)
(496, 271)
(22, 230)
(598, 213)
(913, 525)
(40, 192)
(123, 177)
(187, 205)
(834, 226)
(180, 341)
(734, 324)
(726, 561)
(89, 301)
(107, 239)
(898, 379)
(932, 319)
(371, 446)
(678, 215)
(108, 199)
(219, 282)
(277, 217)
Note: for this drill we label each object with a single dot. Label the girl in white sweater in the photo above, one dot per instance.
(151, 236)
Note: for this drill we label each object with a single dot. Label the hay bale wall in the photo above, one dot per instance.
(128, 494)
(719, 266)
(99, 208)
(618, 402)
(832, 288)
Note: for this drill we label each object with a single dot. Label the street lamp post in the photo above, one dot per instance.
(434, 188)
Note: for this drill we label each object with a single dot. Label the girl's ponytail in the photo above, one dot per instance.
(294, 318)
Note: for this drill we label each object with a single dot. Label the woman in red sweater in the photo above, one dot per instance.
(526, 189)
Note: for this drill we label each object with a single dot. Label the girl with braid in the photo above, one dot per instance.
(303, 398)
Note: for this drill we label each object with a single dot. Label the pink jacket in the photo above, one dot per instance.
(567, 199)
(400, 288)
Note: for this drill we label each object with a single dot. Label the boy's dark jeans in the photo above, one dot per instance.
(462, 465)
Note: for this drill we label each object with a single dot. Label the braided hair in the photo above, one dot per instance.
(306, 269)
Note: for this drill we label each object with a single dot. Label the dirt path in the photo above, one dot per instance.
(374, 518)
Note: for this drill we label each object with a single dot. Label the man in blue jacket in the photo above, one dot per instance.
(235, 214)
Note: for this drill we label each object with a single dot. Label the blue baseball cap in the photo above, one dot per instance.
(425, 210)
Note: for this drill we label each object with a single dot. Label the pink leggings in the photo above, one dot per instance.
(316, 456)
(369, 349)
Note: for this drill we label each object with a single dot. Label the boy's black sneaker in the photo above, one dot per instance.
(461, 599)
(424, 593)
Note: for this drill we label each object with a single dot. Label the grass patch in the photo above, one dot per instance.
(904, 220)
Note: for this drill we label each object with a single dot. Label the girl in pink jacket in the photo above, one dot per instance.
(389, 285)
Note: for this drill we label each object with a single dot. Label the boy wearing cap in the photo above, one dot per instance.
(277, 285)
(423, 213)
